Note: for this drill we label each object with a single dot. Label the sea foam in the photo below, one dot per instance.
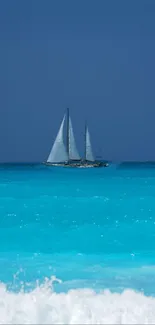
(81, 306)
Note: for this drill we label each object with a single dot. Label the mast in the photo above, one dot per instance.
(85, 142)
(67, 134)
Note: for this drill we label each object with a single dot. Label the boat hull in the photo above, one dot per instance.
(79, 164)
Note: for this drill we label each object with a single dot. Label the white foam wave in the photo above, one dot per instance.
(44, 306)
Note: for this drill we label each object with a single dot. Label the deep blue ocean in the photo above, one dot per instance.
(77, 245)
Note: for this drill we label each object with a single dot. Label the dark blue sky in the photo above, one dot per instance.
(97, 57)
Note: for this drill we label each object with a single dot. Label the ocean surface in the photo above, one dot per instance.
(77, 246)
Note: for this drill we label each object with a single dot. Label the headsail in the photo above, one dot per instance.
(73, 152)
(58, 152)
(89, 153)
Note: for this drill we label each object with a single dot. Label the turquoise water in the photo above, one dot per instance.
(90, 228)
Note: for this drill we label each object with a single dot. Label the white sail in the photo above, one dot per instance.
(73, 152)
(58, 152)
(89, 153)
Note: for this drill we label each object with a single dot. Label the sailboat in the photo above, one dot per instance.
(66, 153)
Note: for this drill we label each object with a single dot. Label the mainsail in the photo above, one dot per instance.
(58, 152)
(73, 152)
(89, 153)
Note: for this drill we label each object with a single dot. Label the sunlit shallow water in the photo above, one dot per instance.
(77, 245)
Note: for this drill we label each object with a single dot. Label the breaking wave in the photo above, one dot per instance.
(80, 306)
